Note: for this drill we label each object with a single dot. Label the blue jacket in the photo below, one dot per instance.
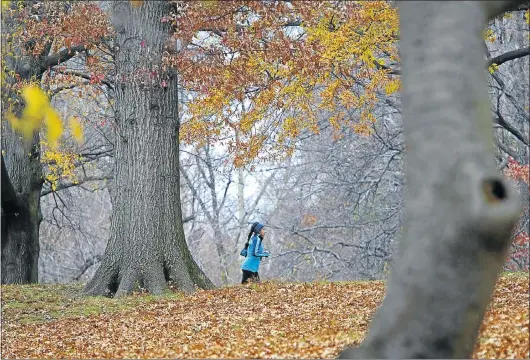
(254, 254)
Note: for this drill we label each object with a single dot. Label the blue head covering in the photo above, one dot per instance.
(257, 227)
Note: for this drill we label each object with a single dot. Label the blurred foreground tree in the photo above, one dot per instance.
(460, 211)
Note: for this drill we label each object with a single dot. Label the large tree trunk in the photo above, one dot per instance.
(21, 215)
(459, 209)
(147, 247)
(21, 173)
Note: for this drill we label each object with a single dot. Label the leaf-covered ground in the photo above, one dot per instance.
(269, 320)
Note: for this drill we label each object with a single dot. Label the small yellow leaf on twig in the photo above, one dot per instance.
(492, 68)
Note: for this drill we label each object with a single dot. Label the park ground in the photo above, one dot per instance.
(267, 320)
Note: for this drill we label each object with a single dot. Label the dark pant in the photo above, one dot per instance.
(249, 275)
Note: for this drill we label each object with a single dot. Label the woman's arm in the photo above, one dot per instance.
(258, 250)
(257, 246)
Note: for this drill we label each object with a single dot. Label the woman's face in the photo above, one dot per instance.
(262, 232)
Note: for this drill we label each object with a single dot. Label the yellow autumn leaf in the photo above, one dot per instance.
(77, 129)
(489, 35)
(36, 103)
(5, 4)
(37, 112)
(33, 114)
(25, 127)
(210, 4)
(492, 68)
(392, 87)
(54, 127)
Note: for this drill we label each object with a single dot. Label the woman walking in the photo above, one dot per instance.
(255, 253)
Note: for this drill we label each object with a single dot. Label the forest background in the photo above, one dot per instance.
(289, 115)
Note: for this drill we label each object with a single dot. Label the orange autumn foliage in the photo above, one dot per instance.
(267, 70)
(52, 32)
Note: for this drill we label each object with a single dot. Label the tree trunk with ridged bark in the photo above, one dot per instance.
(21, 170)
(460, 211)
(147, 247)
(21, 214)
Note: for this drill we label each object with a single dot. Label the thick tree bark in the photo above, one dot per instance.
(147, 247)
(21, 175)
(21, 215)
(459, 210)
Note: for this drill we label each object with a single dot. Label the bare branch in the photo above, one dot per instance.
(88, 263)
(382, 66)
(500, 59)
(195, 194)
(69, 184)
(63, 88)
(505, 148)
(60, 57)
(188, 219)
(510, 55)
(84, 76)
(499, 119)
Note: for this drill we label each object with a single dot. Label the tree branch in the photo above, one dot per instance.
(382, 66)
(62, 88)
(239, 28)
(60, 57)
(262, 192)
(69, 184)
(305, 252)
(500, 59)
(512, 99)
(188, 219)
(499, 119)
(510, 55)
(84, 76)
(505, 148)
(196, 195)
(88, 263)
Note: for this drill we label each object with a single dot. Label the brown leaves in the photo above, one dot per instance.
(136, 3)
(82, 23)
(268, 320)
(505, 330)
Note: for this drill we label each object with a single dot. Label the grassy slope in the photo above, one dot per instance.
(268, 320)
